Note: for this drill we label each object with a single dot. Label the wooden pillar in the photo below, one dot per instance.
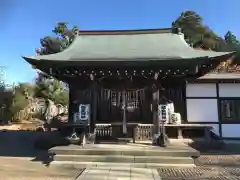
(94, 103)
(70, 105)
(155, 101)
(124, 122)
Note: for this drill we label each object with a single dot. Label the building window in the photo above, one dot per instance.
(230, 110)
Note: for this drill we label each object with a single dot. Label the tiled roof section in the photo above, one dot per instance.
(221, 76)
(228, 69)
(225, 71)
(226, 66)
(129, 46)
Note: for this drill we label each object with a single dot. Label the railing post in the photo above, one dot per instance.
(134, 134)
(179, 133)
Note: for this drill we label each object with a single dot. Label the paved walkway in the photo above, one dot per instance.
(15, 168)
(107, 173)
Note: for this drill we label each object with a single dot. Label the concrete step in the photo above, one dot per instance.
(125, 152)
(77, 165)
(124, 159)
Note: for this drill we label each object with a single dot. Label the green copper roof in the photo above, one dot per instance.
(128, 47)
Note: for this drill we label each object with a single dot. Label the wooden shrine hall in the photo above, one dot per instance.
(122, 75)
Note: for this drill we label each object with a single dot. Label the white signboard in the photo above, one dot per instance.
(84, 112)
(163, 113)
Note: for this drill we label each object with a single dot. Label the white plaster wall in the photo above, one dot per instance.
(231, 130)
(202, 110)
(229, 90)
(201, 90)
(215, 129)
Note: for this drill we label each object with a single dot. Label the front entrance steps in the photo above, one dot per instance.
(123, 155)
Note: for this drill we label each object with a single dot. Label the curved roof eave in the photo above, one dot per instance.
(38, 59)
(161, 46)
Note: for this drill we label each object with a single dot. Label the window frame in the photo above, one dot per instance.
(236, 115)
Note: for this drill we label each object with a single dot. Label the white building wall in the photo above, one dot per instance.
(229, 90)
(202, 106)
(201, 90)
(202, 110)
(231, 130)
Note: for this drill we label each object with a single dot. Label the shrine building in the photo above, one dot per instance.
(123, 74)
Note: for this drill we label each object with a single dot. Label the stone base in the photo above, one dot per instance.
(161, 140)
(75, 139)
(124, 140)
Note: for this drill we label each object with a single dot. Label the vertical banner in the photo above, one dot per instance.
(163, 113)
(83, 116)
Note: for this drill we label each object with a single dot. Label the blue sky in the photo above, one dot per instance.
(24, 22)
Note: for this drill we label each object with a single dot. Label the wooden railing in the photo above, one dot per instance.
(143, 132)
(104, 131)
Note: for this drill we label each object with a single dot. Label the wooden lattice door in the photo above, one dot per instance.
(111, 105)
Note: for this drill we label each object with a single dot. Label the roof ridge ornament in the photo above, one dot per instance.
(63, 39)
(177, 30)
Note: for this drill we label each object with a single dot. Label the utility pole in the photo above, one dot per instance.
(2, 88)
(3, 76)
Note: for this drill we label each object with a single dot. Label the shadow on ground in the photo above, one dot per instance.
(216, 148)
(28, 144)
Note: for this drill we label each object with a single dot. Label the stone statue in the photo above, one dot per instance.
(50, 111)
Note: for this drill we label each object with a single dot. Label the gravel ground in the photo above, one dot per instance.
(209, 167)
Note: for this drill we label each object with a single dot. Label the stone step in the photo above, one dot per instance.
(111, 173)
(124, 159)
(78, 165)
(125, 152)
